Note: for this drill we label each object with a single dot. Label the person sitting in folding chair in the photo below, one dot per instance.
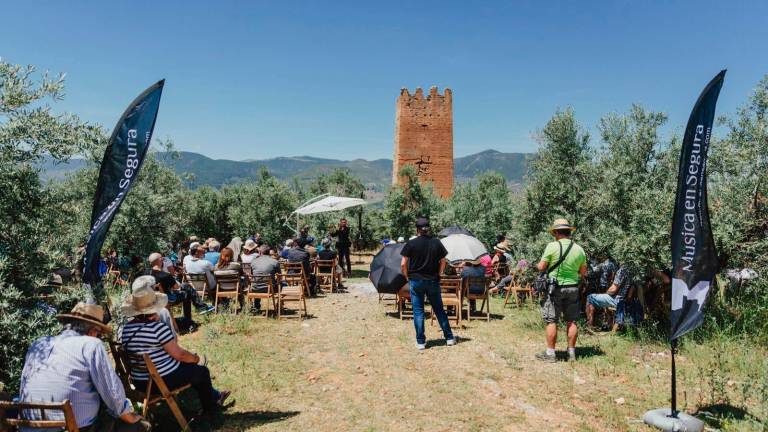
(328, 254)
(174, 291)
(616, 294)
(264, 264)
(146, 334)
(74, 366)
(473, 269)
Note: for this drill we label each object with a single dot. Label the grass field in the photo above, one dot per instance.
(353, 367)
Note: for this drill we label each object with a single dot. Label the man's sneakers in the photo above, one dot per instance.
(543, 356)
(451, 341)
(420, 346)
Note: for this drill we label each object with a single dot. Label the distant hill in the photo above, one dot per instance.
(376, 174)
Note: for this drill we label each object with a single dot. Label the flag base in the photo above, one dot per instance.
(661, 419)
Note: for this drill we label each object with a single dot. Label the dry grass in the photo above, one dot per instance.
(354, 368)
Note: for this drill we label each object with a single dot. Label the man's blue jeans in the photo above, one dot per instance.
(430, 288)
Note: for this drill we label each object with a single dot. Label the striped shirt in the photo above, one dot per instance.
(148, 338)
(75, 367)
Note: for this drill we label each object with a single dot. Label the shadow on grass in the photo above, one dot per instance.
(441, 342)
(240, 420)
(717, 415)
(358, 274)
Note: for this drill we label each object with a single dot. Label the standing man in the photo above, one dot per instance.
(343, 244)
(422, 264)
(566, 262)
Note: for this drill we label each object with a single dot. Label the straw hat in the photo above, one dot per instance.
(90, 313)
(154, 256)
(561, 224)
(501, 247)
(473, 262)
(250, 245)
(144, 300)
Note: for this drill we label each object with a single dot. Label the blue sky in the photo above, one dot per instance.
(253, 80)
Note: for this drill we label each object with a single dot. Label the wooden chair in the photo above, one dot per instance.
(325, 274)
(143, 363)
(261, 287)
(198, 281)
(469, 295)
(294, 290)
(292, 273)
(402, 296)
(450, 292)
(123, 370)
(521, 293)
(68, 424)
(513, 285)
(227, 286)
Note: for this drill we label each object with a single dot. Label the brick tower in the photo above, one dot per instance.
(424, 137)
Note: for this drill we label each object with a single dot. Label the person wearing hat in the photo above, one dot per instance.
(422, 263)
(74, 366)
(145, 333)
(564, 301)
(249, 251)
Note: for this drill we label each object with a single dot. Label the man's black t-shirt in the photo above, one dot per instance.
(424, 254)
(164, 279)
(343, 234)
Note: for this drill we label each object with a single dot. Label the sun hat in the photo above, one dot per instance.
(289, 242)
(90, 313)
(250, 245)
(154, 256)
(561, 224)
(474, 262)
(326, 242)
(143, 300)
(193, 238)
(501, 248)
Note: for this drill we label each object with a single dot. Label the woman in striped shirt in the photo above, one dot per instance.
(145, 333)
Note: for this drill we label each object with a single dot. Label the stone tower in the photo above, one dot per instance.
(424, 137)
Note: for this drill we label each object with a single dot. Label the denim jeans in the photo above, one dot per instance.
(430, 288)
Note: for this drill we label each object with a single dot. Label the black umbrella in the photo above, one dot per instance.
(385, 270)
(454, 230)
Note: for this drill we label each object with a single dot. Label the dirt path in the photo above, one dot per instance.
(353, 367)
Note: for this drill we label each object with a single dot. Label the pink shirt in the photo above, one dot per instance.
(486, 261)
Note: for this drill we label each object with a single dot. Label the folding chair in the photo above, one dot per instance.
(325, 274)
(143, 363)
(68, 424)
(476, 282)
(294, 289)
(511, 288)
(293, 274)
(261, 287)
(198, 281)
(402, 296)
(450, 292)
(521, 293)
(227, 286)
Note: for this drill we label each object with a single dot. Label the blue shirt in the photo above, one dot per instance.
(75, 367)
(212, 257)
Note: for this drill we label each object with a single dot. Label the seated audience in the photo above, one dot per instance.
(328, 254)
(226, 263)
(175, 292)
(310, 248)
(249, 251)
(213, 252)
(619, 291)
(473, 269)
(289, 244)
(486, 261)
(197, 263)
(299, 254)
(74, 366)
(144, 333)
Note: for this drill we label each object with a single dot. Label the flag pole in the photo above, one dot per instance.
(673, 411)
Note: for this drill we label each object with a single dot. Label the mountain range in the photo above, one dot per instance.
(376, 174)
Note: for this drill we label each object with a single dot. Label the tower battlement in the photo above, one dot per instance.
(424, 137)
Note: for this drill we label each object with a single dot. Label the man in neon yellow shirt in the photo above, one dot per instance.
(565, 300)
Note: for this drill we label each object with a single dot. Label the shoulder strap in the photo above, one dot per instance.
(562, 257)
